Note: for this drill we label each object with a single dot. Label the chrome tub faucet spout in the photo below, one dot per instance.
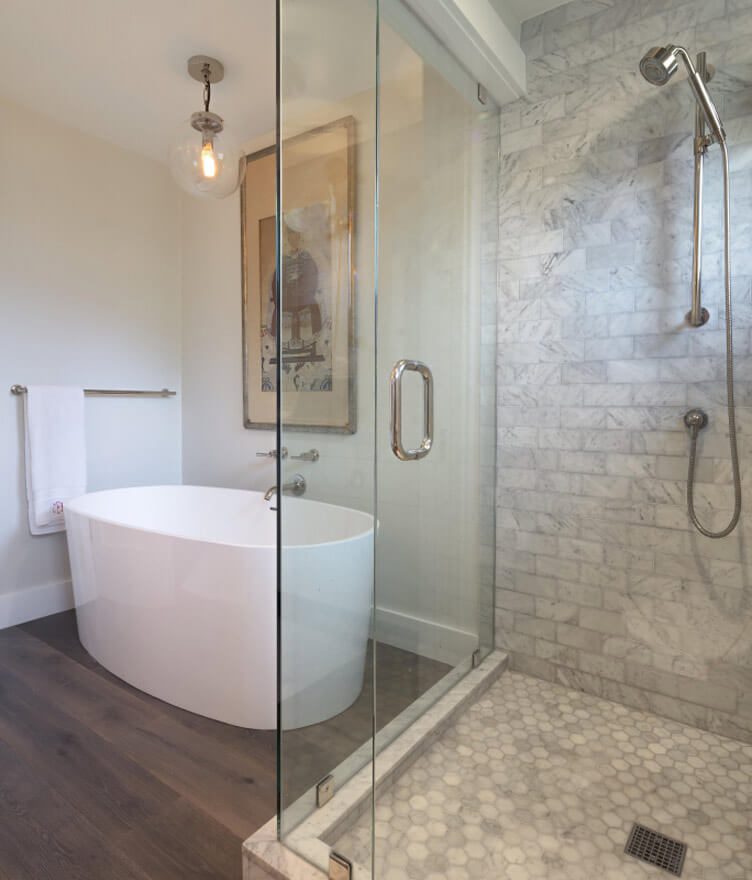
(296, 486)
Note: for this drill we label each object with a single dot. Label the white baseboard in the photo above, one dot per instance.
(426, 638)
(423, 637)
(21, 606)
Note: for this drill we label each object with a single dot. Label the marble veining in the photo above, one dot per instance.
(602, 583)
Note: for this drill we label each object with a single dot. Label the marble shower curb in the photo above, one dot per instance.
(266, 858)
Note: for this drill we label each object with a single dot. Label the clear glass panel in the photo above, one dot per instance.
(325, 305)
(429, 607)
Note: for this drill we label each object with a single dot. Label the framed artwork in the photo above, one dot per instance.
(314, 313)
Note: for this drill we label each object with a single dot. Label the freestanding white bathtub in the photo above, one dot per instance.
(175, 591)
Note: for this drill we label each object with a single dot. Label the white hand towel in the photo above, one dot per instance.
(55, 454)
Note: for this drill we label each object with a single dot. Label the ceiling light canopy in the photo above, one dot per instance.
(205, 159)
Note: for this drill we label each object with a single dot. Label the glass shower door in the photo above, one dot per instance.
(434, 458)
(435, 400)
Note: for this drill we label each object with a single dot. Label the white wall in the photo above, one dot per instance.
(428, 552)
(217, 449)
(90, 296)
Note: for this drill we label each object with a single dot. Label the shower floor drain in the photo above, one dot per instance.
(656, 849)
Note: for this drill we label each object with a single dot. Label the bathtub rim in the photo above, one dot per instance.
(273, 545)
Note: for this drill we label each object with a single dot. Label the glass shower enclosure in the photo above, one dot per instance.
(385, 373)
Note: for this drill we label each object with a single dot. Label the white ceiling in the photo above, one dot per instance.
(117, 68)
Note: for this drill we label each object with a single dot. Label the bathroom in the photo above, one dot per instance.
(400, 567)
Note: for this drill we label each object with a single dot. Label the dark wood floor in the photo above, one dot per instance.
(310, 753)
(99, 781)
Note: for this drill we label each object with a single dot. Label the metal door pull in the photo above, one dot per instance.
(395, 393)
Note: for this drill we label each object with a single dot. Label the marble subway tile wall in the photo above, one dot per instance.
(602, 584)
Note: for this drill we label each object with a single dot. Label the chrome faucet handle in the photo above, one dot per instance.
(272, 453)
(311, 455)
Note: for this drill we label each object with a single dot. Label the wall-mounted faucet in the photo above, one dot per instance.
(297, 486)
(311, 455)
(272, 453)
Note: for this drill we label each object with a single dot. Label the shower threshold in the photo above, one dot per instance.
(305, 853)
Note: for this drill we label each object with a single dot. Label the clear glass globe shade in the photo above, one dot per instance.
(213, 176)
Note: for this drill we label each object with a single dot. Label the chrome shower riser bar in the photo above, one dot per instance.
(697, 315)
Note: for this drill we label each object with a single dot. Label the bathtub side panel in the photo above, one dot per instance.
(326, 618)
(191, 623)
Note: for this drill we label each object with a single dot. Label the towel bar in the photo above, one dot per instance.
(102, 392)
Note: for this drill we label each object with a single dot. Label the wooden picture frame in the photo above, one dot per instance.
(317, 320)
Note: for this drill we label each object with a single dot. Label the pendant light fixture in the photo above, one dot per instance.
(205, 159)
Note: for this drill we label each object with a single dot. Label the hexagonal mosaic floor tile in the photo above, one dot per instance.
(539, 782)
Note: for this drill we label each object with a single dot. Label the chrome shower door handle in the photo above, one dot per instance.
(395, 394)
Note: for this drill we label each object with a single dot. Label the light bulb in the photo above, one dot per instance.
(208, 159)
(205, 160)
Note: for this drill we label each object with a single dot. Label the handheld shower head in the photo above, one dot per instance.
(707, 105)
(660, 63)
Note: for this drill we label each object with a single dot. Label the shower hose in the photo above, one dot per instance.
(694, 429)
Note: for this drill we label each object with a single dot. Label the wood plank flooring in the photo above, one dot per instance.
(99, 781)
